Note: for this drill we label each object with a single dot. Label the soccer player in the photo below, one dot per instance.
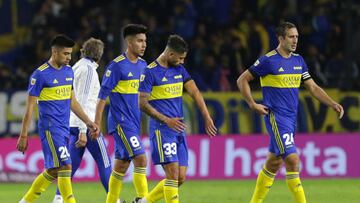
(86, 89)
(281, 72)
(161, 90)
(121, 83)
(51, 87)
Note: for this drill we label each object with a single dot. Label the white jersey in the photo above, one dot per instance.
(86, 89)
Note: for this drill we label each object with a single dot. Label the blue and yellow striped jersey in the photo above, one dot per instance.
(121, 83)
(280, 80)
(165, 86)
(53, 88)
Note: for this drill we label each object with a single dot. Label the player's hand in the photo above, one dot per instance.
(210, 127)
(260, 109)
(22, 143)
(81, 142)
(94, 130)
(339, 109)
(175, 124)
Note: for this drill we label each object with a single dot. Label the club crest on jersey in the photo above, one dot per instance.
(108, 72)
(177, 76)
(297, 67)
(68, 79)
(256, 62)
(33, 81)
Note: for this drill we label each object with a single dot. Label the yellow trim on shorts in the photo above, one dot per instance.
(125, 141)
(276, 133)
(159, 143)
(52, 148)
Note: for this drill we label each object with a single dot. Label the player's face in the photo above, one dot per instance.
(137, 44)
(62, 56)
(290, 40)
(176, 59)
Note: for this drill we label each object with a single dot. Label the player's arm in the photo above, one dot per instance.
(22, 142)
(317, 92)
(194, 92)
(174, 123)
(83, 81)
(79, 112)
(244, 87)
(82, 88)
(100, 106)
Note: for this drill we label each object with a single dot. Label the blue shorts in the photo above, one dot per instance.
(167, 145)
(55, 145)
(127, 143)
(282, 132)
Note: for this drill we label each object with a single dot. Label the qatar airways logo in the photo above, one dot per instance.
(175, 89)
(293, 81)
(134, 84)
(63, 91)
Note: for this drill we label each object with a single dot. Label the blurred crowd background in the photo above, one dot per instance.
(225, 36)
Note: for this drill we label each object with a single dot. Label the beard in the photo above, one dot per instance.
(172, 63)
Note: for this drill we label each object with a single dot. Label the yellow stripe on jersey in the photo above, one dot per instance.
(52, 148)
(43, 67)
(127, 87)
(119, 58)
(167, 91)
(271, 53)
(281, 81)
(159, 143)
(62, 92)
(152, 65)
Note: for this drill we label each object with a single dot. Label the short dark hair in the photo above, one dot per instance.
(62, 41)
(281, 29)
(134, 29)
(177, 43)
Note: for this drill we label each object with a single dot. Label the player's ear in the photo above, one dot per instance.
(53, 50)
(280, 38)
(171, 53)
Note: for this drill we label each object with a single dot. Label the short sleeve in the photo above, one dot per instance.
(36, 84)
(260, 67)
(110, 79)
(305, 73)
(146, 81)
(186, 76)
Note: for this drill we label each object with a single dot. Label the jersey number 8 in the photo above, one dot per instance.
(134, 141)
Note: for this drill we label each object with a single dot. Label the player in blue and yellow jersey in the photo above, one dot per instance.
(121, 83)
(51, 86)
(281, 72)
(161, 90)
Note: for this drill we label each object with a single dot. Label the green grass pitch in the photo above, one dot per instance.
(317, 191)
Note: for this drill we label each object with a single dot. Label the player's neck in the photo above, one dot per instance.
(162, 61)
(54, 64)
(284, 53)
(132, 57)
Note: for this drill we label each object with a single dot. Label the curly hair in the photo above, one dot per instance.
(93, 48)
